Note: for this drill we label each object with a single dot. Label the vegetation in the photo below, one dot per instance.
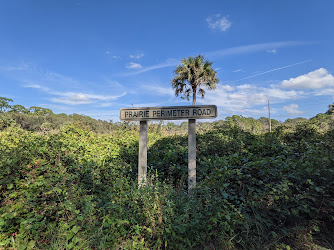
(69, 182)
(192, 76)
(4, 104)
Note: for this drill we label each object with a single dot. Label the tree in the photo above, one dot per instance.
(192, 76)
(330, 110)
(4, 106)
(40, 111)
(19, 109)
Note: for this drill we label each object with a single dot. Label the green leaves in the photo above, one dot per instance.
(76, 189)
(75, 229)
(194, 74)
(31, 244)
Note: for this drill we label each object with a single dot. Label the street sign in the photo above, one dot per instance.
(190, 113)
(168, 113)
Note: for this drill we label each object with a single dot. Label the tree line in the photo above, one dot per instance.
(39, 119)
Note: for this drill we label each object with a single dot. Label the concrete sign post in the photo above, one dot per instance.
(191, 153)
(142, 156)
(190, 113)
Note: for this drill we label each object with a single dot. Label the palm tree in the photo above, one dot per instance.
(192, 76)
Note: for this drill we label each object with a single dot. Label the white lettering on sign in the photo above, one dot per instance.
(168, 113)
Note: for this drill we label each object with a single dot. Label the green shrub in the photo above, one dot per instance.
(75, 189)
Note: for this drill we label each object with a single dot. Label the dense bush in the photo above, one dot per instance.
(75, 188)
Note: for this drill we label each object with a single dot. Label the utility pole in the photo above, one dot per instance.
(269, 116)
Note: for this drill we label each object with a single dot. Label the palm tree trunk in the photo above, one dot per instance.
(194, 96)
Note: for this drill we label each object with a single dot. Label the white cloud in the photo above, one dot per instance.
(244, 98)
(283, 95)
(292, 109)
(133, 65)
(218, 22)
(272, 51)
(317, 79)
(227, 87)
(136, 56)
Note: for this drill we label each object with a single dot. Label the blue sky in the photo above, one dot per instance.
(95, 57)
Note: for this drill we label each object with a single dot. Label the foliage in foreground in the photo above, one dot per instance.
(77, 189)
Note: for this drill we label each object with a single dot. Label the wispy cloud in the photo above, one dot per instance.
(168, 63)
(272, 70)
(326, 91)
(218, 22)
(63, 93)
(317, 79)
(73, 91)
(74, 98)
(133, 65)
(159, 90)
(221, 53)
(21, 66)
(237, 70)
(252, 48)
(136, 56)
(29, 73)
(109, 53)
